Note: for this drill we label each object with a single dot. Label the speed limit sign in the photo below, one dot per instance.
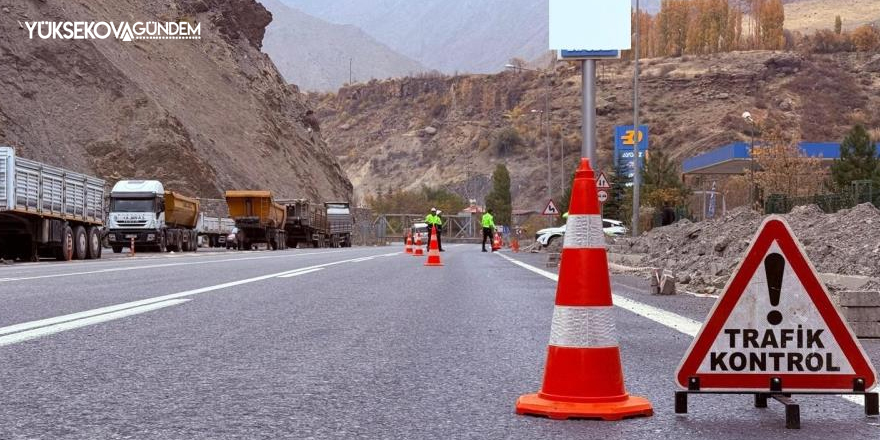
(603, 196)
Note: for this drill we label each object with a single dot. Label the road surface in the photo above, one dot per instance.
(337, 343)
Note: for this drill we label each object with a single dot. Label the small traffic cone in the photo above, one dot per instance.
(514, 244)
(583, 377)
(408, 248)
(433, 250)
(417, 248)
(496, 242)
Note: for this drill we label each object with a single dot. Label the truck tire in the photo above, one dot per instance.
(93, 250)
(162, 247)
(64, 252)
(117, 249)
(195, 241)
(80, 243)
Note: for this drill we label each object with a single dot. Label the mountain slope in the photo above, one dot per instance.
(315, 54)
(202, 115)
(380, 131)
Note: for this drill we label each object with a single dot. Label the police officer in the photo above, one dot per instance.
(439, 225)
(433, 220)
(488, 223)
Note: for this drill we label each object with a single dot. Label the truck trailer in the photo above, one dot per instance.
(155, 219)
(258, 219)
(341, 223)
(47, 211)
(213, 230)
(306, 224)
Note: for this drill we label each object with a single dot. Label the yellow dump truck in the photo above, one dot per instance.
(258, 219)
(143, 212)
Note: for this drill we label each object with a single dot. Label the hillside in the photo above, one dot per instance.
(315, 54)
(380, 132)
(201, 115)
(808, 16)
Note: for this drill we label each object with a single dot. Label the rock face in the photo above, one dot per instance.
(691, 105)
(202, 115)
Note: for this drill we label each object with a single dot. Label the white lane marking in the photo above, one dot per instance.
(674, 321)
(155, 266)
(26, 326)
(70, 325)
(300, 272)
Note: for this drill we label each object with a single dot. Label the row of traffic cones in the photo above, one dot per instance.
(416, 249)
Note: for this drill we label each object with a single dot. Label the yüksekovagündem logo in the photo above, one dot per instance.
(102, 30)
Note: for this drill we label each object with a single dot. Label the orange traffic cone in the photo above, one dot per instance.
(583, 377)
(408, 248)
(514, 244)
(417, 248)
(433, 250)
(496, 242)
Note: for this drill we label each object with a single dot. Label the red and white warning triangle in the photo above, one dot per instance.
(775, 320)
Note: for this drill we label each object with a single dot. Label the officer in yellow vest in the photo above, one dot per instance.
(433, 219)
(488, 223)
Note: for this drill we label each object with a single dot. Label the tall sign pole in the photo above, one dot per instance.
(588, 109)
(637, 172)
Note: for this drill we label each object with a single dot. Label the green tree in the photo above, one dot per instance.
(498, 199)
(838, 25)
(858, 160)
(662, 182)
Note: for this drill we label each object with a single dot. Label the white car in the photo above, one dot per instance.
(613, 228)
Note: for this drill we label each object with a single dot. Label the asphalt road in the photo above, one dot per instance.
(351, 343)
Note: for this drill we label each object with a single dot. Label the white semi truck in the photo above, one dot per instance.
(47, 211)
(142, 211)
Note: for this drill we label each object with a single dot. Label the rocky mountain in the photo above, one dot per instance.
(447, 35)
(315, 54)
(451, 131)
(203, 115)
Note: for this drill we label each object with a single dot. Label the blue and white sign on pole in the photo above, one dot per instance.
(625, 139)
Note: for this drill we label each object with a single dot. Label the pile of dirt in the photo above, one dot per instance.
(704, 254)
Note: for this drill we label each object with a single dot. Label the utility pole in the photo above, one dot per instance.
(349, 71)
(562, 159)
(637, 172)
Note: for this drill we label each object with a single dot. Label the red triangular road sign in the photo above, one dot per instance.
(602, 182)
(775, 320)
(550, 209)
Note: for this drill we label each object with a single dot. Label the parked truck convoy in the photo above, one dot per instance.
(309, 224)
(258, 219)
(214, 230)
(47, 211)
(156, 219)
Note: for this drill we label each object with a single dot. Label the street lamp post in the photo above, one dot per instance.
(637, 172)
(751, 121)
(541, 127)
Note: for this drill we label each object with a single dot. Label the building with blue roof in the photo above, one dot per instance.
(735, 158)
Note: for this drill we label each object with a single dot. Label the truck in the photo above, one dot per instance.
(46, 211)
(143, 212)
(341, 223)
(213, 230)
(258, 219)
(306, 224)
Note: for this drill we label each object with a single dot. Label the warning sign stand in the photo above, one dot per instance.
(774, 333)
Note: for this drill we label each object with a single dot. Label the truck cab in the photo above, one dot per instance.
(141, 210)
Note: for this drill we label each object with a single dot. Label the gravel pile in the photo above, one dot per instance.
(704, 254)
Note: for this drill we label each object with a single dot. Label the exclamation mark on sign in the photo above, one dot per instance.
(774, 265)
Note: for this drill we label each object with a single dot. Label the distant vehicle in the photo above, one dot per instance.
(48, 211)
(258, 219)
(214, 230)
(231, 241)
(306, 224)
(341, 223)
(611, 228)
(419, 228)
(156, 219)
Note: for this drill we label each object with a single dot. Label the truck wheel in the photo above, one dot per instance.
(117, 249)
(195, 242)
(64, 252)
(162, 247)
(93, 250)
(80, 243)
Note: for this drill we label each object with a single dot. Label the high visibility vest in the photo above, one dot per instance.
(488, 221)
